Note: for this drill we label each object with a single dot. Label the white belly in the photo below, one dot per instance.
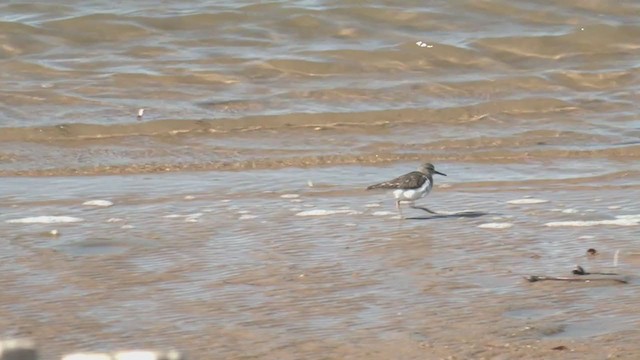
(413, 194)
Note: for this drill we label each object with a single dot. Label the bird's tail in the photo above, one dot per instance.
(383, 185)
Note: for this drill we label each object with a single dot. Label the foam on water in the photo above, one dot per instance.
(495, 225)
(45, 220)
(100, 203)
(570, 211)
(383, 213)
(289, 196)
(320, 212)
(527, 201)
(187, 216)
(621, 220)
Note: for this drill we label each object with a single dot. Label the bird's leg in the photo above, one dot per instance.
(399, 209)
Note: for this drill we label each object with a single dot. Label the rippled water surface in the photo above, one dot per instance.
(238, 223)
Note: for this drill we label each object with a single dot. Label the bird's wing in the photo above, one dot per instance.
(412, 180)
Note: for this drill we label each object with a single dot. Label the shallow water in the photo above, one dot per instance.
(240, 225)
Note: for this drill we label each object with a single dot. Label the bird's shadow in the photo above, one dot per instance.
(435, 215)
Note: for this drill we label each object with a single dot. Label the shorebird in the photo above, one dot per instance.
(411, 186)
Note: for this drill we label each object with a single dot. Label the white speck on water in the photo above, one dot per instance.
(243, 211)
(112, 220)
(101, 203)
(247, 217)
(382, 213)
(372, 205)
(289, 196)
(526, 201)
(54, 232)
(192, 217)
(127, 226)
(586, 237)
(295, 200)
(225, 200)
(207, 210)
(495, 225)
(423, 44)
(189, 197)
(320, 212)
(614, 207)
(570, 211)
(309, 183)
(187, 216)
(444, 186)
(45, 220)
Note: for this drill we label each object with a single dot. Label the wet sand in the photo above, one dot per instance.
(260, 264)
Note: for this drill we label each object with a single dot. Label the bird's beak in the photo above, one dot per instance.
(439, 173)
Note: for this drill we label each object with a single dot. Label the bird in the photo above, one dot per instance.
(410, 186)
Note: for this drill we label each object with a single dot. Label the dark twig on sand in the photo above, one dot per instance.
(579, 270)
(582, 276)
(534, 278)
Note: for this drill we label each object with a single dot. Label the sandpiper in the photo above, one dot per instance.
(411, 186)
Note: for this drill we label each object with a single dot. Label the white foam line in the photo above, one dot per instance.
(635, 217)
(45, 220)
(383, 213)
(188, 216)
(289, 196)
(570, 211)
(320, 212)
(618, 222)
(100, 203)
(527, 201)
